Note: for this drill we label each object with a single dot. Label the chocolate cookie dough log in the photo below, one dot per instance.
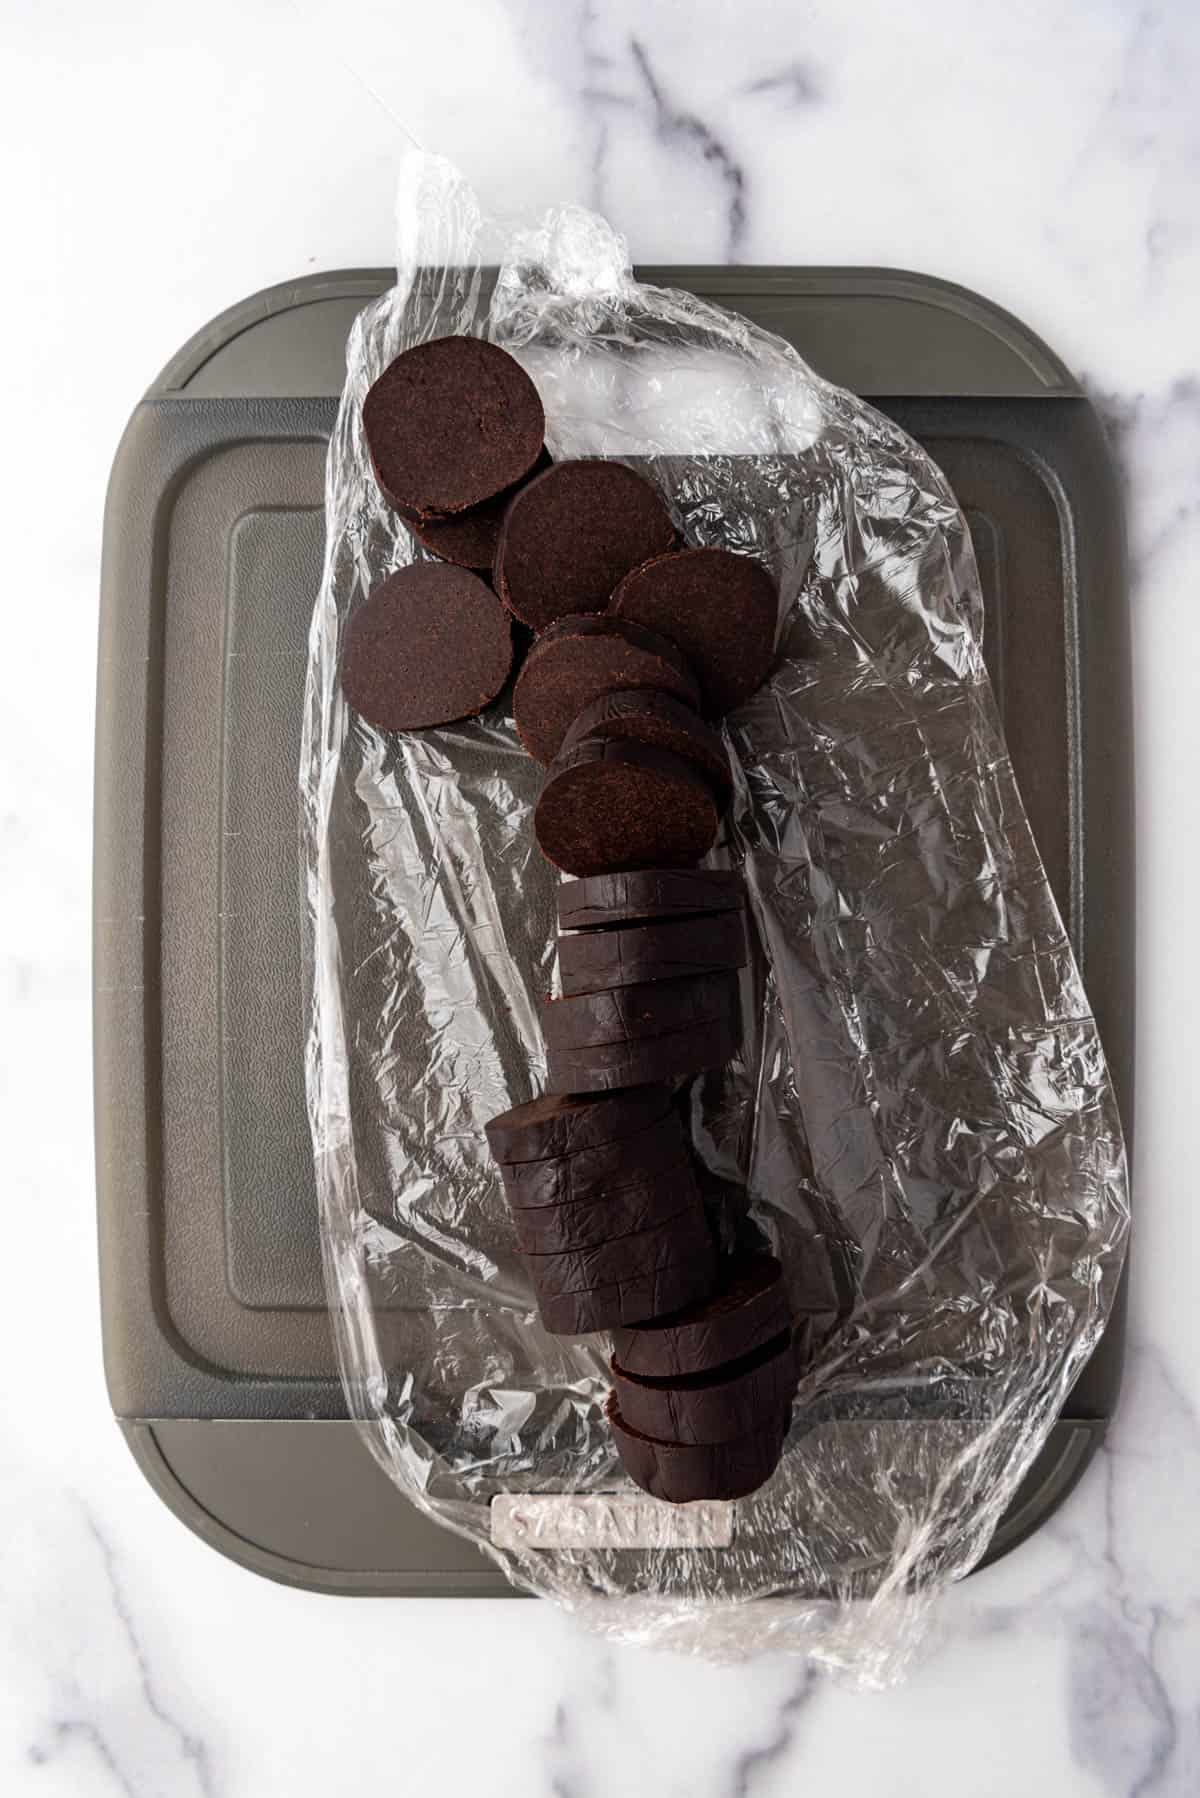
(561, 1179)
(734, 1400)
(468, 539)
(578, 660)
(452, 423)
(572, 534)
(748, 1309)
(602, 901)
(682, 1472)
(594, 960)
(430, 644)
(644, 716)
(722, 610)
(624, 1302)
(629, 1014)
(610, 805)
(608, 1067)
(556, 1124)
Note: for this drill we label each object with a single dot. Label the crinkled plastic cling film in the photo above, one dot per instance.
(921, 1122)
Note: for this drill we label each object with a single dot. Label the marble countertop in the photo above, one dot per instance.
(163, 162)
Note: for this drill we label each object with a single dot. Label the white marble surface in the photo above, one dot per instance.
(161, 162)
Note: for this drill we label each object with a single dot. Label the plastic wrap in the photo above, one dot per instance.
(920, 1123)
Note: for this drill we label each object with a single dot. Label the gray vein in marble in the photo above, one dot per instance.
(572, 1781)
(606, 1684)
(65, 1730)
(1130, 422)
(1123, 1725)
(600, 84)
(691, 134)
(595, 95)
(71, 1729)
(1157, 238)
(1125, 1729)
(800, 84)
(559, 1739)
(1138, 117)
(1141, 42)
(1159, 1701)
(191, 1746)
(596, 166)
(754, 1762)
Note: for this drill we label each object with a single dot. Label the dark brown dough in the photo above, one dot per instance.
(627, 1014)
(555, 1124)
(673, 1056)
(604, 900)
(430, 644)
(579, 659)
(589, 1173)
(592, 961)
(748, 1309)
(643, 716)
(682, 1237)
(682, 1472)
(612, 805)
(469, 539)
(452, 423)
(734, 1400)
(629, 1301)
(721, 610)
(571, 536)
(626, 1211)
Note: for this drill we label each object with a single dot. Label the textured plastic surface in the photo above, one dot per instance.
(1030, 468)
(922, 1117)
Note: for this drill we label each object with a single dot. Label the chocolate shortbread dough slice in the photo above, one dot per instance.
(578, 660)
(612, 805)
(720, 609)
(572, 535)
(430, 644)
(452, 423)
(601, 901)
